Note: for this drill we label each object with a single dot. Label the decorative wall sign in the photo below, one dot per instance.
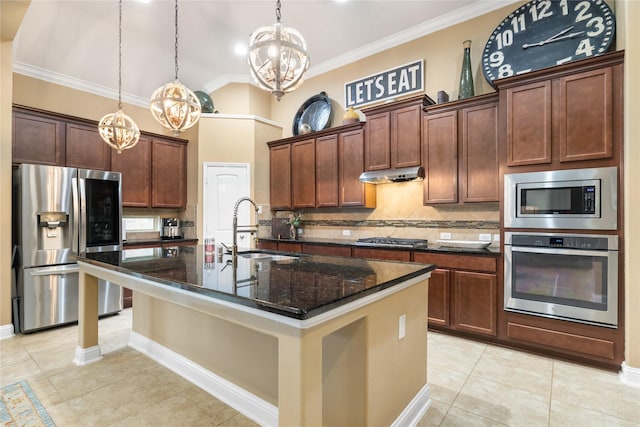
(387, 84)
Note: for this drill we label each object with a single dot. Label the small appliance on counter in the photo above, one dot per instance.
(171, 229)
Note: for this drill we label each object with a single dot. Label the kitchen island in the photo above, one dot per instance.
(286, 339)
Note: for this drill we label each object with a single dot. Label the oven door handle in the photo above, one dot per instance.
(560, 251)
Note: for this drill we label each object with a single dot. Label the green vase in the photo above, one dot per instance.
(466, 76)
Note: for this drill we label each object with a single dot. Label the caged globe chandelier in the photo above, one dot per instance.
(117, 129)
(277, 57)
(173, 105)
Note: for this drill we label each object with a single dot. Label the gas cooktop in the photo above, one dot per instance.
(390, 241)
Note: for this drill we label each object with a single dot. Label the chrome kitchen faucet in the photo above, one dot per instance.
(244, 228)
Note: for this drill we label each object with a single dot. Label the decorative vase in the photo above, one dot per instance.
(293, 232)
(466, 76)
(350, 116)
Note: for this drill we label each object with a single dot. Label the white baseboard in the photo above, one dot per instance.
(415, 410)
(250, 405)
(629, 375)
(84, 356)
(6, 331)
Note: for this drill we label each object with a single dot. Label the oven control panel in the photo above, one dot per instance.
(565, 241)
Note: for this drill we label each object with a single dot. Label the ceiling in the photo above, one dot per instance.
(75, 42)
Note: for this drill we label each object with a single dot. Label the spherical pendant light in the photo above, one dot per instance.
(117, 129)
(277, 57)
(173, 105)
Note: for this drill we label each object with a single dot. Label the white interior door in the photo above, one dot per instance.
(224, 184)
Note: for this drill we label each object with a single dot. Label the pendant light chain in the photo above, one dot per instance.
(278, 10)
(117, 129)
(120, 56)
(176, 56)
(174, 105)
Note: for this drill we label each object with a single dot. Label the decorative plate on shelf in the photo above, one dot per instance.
(315, 113)
(468, 244)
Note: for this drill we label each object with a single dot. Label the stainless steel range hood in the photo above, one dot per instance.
(393, 175)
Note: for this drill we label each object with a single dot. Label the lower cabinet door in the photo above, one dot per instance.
(474, 302)
(439, 298)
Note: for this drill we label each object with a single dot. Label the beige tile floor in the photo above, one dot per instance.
(472, 384)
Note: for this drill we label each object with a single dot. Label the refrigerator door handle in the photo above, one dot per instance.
(76, 215)
(48, 271)
(82, 209)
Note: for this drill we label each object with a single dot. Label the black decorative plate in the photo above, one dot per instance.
(316, 112)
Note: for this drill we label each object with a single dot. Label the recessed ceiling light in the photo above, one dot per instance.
(240, 49)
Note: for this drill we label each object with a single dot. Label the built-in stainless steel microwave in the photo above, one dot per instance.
(567, 199)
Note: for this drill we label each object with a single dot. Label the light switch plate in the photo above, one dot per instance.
(445, 236)
(484, 237)
(402, 326)
(346, 232)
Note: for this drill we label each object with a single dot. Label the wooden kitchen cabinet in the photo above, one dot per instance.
(168, 174)
(280, 176)
(441, 157)
(303, 168)
(474, 302)
(569, 113)
(135, 166)
(439, 298)
(353, 193)
(85, 148)
(463, 292)
(320, 172)
(460, 146)
(37, 138)
(393, 135)
(327, 171)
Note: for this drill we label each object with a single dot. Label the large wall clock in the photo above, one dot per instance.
(543, 33)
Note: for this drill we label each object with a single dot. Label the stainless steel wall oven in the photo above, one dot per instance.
(572, 277)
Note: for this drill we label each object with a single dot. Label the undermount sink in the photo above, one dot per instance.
(262, 255)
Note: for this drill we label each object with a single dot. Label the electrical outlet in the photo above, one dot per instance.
(496, 237)
(445, 236)
(259, 209)
(346, 232)
(402, 326)
(484, 237)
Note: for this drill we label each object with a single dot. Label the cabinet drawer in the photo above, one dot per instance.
(383, 254)
(562, 340)
(463, 262)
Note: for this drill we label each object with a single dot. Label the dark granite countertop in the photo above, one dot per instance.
(299, 286)
(490, 251)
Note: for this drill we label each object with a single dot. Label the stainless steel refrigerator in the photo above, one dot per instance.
(58, 212)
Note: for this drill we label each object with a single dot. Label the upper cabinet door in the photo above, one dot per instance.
(528, 116)
(376, 142)
(406, 136)
(86, 149)
(280, 176)
(479, 163)
(135, 166)
(327, 171)
(37, 139)
(168, 174)
(585, 106)
(303, 168)
(441, 157)
(352, 191)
